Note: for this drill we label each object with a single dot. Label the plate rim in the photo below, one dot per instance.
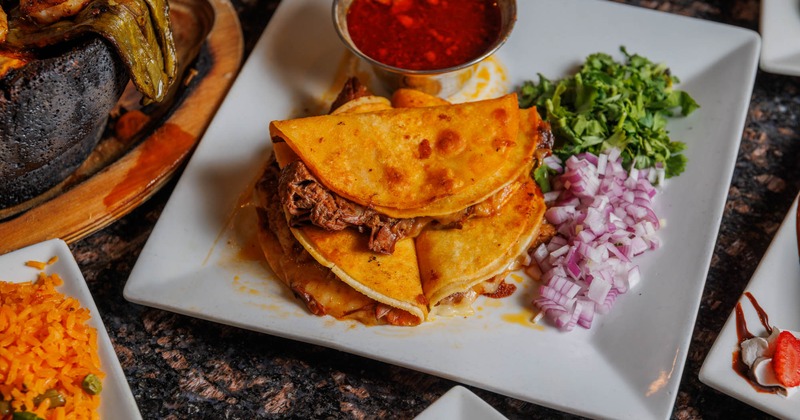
(457, 397)
(770, 61)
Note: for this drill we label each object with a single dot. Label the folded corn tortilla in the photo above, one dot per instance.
(403, 162)
(422, 271)
(455, 260)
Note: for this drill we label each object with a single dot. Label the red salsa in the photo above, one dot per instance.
(423, 34)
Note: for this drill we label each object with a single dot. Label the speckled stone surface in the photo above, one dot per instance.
(180, 368)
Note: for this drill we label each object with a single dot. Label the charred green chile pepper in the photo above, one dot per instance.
(138, 29)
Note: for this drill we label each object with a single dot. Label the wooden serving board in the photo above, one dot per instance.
(147, 144)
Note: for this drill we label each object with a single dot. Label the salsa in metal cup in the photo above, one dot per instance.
(424, 34)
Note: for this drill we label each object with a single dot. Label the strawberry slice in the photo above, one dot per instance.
(786, 359)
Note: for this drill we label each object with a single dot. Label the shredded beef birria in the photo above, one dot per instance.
(306, 201)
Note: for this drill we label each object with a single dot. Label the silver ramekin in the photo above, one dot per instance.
(441, 82)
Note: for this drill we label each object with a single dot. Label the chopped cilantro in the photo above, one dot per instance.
(542, 175)
(610, 104)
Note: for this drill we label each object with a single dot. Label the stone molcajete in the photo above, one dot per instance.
(52, 113)
(63, 67)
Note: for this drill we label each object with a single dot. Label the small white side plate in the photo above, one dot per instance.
(116, 399)
(780, 36)
(460, 403)
(776, 287)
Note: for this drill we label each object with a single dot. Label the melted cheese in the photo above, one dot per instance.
(452, 306)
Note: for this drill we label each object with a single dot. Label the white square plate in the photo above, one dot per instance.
(193, 263)
(116, 399)
(780, 31)
(460, 403)
(776, 286)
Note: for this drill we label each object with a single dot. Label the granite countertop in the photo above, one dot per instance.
(179, 367)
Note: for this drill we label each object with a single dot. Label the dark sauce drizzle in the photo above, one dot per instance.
(743, 334)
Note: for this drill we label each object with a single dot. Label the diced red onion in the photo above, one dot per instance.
(553, 162)
(604, 217)
(598, 290)
(602, 161)
(587, 312)
(551, 196)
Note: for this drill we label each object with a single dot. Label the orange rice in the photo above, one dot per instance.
(45, 343)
